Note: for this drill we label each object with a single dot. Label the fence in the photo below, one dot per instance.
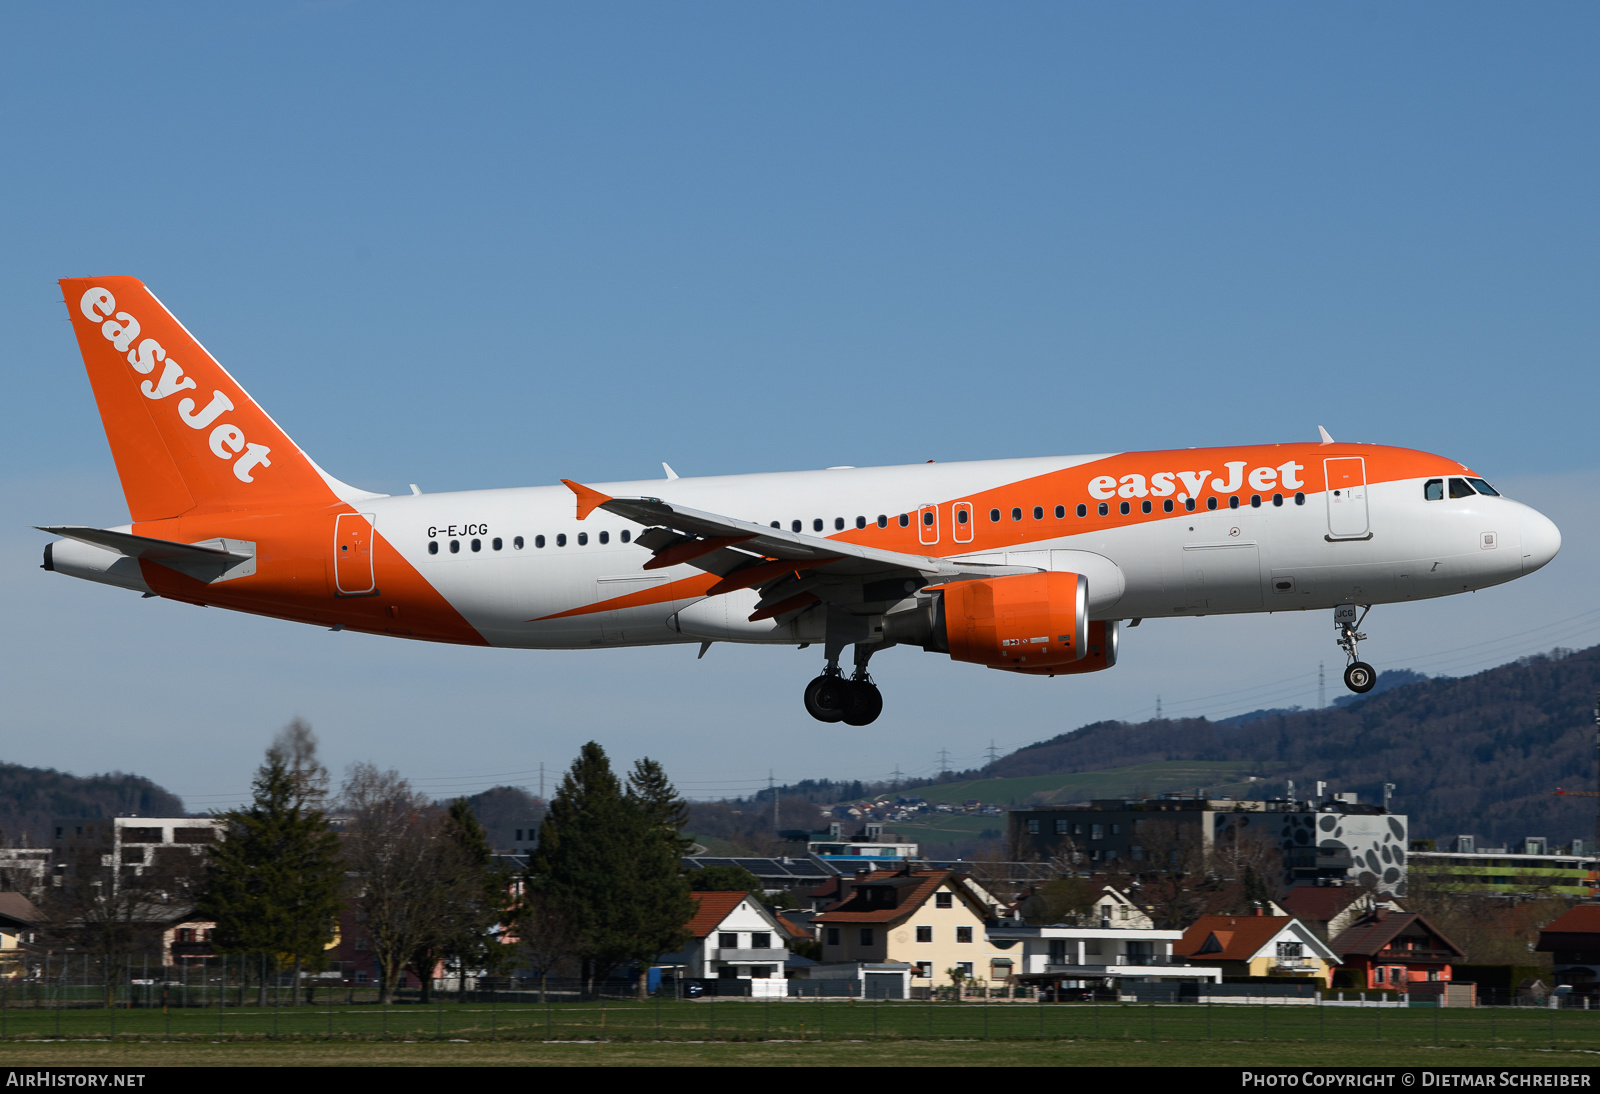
(78, 997)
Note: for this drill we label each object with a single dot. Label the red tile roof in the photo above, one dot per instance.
(711, 909)
(1320, 903)
(1371, 933)
(917, 888)
(1584, 919)
(1240, 937)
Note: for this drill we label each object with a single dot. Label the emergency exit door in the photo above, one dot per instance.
(1347, 496)
(352, 555)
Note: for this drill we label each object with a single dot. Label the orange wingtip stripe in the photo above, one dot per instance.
(772, 611)
(588, 500)
(686, 589)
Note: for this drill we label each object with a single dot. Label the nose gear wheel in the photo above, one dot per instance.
(1359, 676)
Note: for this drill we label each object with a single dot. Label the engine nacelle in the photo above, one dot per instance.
(1021, 620)
(1100, 654)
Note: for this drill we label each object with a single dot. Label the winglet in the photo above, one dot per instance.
(588, 500)
(1325, 438)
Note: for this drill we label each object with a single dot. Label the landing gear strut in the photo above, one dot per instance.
(1359, 676)
(855, 702)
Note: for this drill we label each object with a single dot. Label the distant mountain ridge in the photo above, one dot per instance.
(1481, 754)
(30, 797)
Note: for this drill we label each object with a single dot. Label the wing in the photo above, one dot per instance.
(791, 570)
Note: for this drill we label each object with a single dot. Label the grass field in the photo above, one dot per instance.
(135, 1053)
(742, 1031)
(1113, 782)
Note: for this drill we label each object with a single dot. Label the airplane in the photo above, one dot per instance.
(1024, 565)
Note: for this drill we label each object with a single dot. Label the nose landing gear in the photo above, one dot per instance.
(1359, 676)
(855, 702)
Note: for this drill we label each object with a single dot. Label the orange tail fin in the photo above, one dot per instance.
(183, 433)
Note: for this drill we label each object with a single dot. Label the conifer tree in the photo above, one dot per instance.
(608, 863)
(274, 878)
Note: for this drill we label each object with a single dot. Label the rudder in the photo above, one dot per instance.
(183, 433)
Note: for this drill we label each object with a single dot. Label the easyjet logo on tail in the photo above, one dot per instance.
(120, 329)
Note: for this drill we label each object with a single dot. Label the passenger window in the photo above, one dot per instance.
(927, 519)
(583, 539)
(1166, 506)
(816, 524)
(519, 543)
(497, 543)
(861, 522)
(1484, 488)
(433, 548)
(1300, 497)
(905, 520)
(626, 535)
(1083, 510)
(561, 539)
(477, 545)
(1433, 490)
(1104, 509)
(1233, 501)
(605, 537)
(1016, 514)
(1277, 499)
(1124, 508)
(994, 515)
(1255, 501)
(1144, 506)
(1188, 504)
(961, 516)
(1061, 511)
(455, 546)
(883, 521)
(795, 526)
(1460, 489)
(838, 524)
(1211, 502)
(1038, 512)
(538, 541)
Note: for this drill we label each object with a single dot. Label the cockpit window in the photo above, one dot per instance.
(1484, 488)
(1460, 489)
(1433, 490)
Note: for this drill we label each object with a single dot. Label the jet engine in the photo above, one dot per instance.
(1023, 622)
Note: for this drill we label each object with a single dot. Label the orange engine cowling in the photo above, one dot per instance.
(1100, 653)
(1024, 622)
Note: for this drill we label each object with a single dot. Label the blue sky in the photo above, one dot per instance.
(502, 244)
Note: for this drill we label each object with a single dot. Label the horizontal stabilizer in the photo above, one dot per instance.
(208, 561)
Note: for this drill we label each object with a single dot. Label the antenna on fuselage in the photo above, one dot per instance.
(671, 474)
(1325, 438)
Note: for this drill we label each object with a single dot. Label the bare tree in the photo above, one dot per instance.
(114, 909)
(397, 853)
(547, 935)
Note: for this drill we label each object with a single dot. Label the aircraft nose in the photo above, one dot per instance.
(1541, 539)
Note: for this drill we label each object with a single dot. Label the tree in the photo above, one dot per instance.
(274, 878)
(473, 899)
(724, 879)
(403, 868)
(608, 861)
(1064, 900)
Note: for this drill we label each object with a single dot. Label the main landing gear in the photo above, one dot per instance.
(1359, 676)
(855, 702)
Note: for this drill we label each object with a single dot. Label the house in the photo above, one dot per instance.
(1396, 950)
(1330, 909)
(1257, 945)
(1091, 957)
(936, 921)
(734, 937)
(1573, 942)
(19, 920)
